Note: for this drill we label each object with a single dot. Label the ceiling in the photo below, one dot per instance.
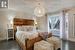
(50, 6)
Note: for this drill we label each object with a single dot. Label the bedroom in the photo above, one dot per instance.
(54, 20)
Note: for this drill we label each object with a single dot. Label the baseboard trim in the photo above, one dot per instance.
(2, 39)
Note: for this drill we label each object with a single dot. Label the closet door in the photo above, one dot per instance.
(71, 27)
(66, 25)
(74, 25)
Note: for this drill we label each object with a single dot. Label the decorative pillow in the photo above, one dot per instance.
(30, 28)
(19, 28)
(44, 35)
(26, 28)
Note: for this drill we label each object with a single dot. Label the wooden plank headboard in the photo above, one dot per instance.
(22, 22)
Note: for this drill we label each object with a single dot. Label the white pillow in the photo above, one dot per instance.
(20, 28)
(32, 28)
(29, 28)
(26, 28)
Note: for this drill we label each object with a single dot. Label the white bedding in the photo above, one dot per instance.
(22, 35)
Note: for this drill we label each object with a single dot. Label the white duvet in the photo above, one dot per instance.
(22, 35)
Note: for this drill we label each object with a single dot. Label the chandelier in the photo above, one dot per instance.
(39, 10)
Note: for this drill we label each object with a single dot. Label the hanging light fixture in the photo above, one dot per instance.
(39, 11)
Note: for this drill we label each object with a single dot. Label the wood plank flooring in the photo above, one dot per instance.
(9, 45)
(12, 45)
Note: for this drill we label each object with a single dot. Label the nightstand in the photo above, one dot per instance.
(10, 34)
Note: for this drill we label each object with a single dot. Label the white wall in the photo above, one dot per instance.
(3, 27)
(24, 15)
(42, 23)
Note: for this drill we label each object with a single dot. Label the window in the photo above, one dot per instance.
(54, 24)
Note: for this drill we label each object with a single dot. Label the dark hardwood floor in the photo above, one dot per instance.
(9, 45)
(67, 45)
(12, 45)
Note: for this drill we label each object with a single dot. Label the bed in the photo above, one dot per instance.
(23, 36)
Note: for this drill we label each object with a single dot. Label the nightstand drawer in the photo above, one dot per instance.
(10, 33)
